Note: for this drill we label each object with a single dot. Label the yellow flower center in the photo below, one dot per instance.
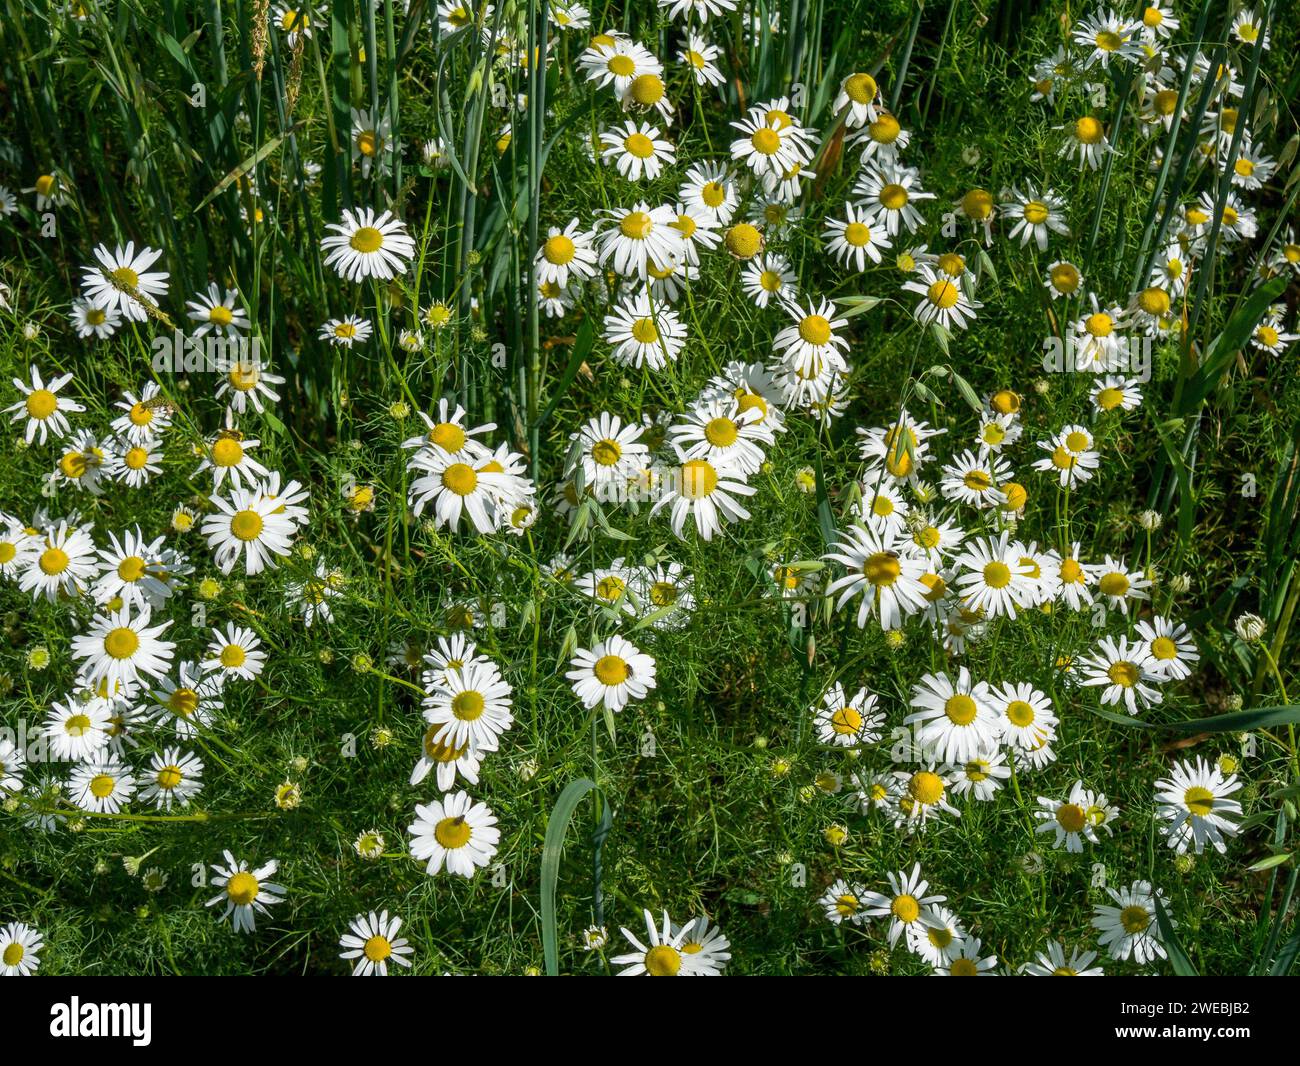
(242, 889)
(721, 432)
(227, 452)
(460, 478)
(857, 234)
(744, 241)
(611, 670)
(1198, 800)
(881, 569)
(1114, 583)
(121, 643)
(892, 197)
(699, 479)
(906, 908)
(101, 786)
(861, 88)
(960, 709)
(452, 833)
(1088, 130)
(1099, 324)
(663, 961)
(1154, 301)
(41, 403)
(647, 90)
(621, 66)
(639, 145)
(977, 204)
(246, 525)
(713, 194)
(766, 140)
(636, 225)
(168, 777)
(1123, 673)
(183, 701)
(1076, 441)
(885, 129)
(1134, 919)
(1070, 817)
(942, 293)
(468, 706)
(815, 330)
(644, 331)
(377, 949)
(366, 239)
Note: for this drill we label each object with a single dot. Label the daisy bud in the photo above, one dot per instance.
(362, 663)
(1228, 765)
(400, 410)
(780, 767)
(1250, 628)
(288, 796)
(836, 834)
(1183, 863)
(1150, 520)
(381, 738)
(1233, 702)
(1179, 584)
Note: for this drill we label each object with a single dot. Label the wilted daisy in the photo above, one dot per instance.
(44, 409)
(456, 832)
(906, 905)
(883, 141)
(1076, 818)
(245, 893)
(1125, 672)
(848, 721)
(20, 947)
(1129, 928)
(944, 301)
(373, 941)
(121, 280)
(368, 245)
(611, 674)
(859, 94)
(1194, 806)
(1055, 963)
(644, 334)
(853, 241)
(705, 492)
(1086, 140)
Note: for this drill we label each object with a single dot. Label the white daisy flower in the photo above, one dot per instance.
(456, 832)
(373, 941)
(367, 245)
(1129, 928)
(1194, 806)
(44, 409)
(611, 674)
(122, 280)
(245, 893)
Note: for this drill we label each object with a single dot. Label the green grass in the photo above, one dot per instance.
(705, 823)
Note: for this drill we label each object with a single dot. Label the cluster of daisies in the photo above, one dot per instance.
(1127, 928)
